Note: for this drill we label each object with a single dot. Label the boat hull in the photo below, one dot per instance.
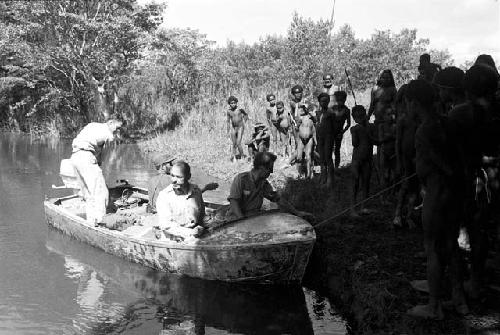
(283, 262)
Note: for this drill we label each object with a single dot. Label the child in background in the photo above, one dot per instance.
(272, 119)
(363, 139)
(236, 118)
(260, 141)
(342, 117)
(284, 123)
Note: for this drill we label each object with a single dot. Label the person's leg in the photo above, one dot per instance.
(300, 156)
(355, 169)
(433, 219)
(337, 144)
(234, 141)
(92, 181)
(308, 153)
(330, 177)
(239, 137)
(398, 220)
(322, 156)
(366, 174)
(274, 136)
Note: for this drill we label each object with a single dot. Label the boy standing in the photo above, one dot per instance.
(236, 118)
(272, 120)
(362, 155)
(342, 117)
(284, 124)
(326, 133)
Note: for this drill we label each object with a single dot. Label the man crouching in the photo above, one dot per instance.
(180, 206)
(249, 189)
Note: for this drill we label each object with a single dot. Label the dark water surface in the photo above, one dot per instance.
(51, 284)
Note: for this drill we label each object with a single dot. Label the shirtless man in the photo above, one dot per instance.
(363, 139)
(474, 127)
(438, 170)
(406, 128)
(426, 69)
(388, 137)
(342, 122)
(329, 88)
(381, 103)
(236, 118)
(326, 133)
(284, 127)
(272, 119)
(450, 88)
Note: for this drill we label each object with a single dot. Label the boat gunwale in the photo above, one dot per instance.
(51, 203)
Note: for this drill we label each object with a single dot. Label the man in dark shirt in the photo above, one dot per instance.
(249, 189)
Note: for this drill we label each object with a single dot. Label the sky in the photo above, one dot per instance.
(466, 28)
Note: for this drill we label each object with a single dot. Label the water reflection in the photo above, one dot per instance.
(182, 303)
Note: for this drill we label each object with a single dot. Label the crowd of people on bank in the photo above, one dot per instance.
(436, 138)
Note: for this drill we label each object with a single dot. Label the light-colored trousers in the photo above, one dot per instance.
(92, 183)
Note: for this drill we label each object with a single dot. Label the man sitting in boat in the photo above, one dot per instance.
(249, 189)
(163, 163)
(86, 159)
(180, 206)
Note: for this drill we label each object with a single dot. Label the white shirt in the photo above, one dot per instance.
(176, 209)
(92, 138)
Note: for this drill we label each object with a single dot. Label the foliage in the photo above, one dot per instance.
(71, 48)
(83, 61)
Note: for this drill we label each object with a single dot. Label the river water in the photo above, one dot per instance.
(51, 284)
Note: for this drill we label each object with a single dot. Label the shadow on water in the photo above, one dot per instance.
(186, 304)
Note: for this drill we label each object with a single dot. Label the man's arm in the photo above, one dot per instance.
(347, 121)
(234, 205)
(354, 137)
(372, 104)
(283, 204)
(228, 122)
(399, 146)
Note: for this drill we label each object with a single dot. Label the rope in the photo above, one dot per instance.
(363, 201)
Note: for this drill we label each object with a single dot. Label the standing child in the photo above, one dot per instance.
(306, 139)
(236, 118)
(326, 133)
(284, 124)
(363, 140)
(342, 122)
(272, 119)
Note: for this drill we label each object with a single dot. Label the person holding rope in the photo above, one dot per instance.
(249, 189)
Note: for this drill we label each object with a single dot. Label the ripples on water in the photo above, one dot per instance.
(51, 284)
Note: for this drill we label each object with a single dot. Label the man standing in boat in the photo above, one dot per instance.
(86, 159)
(249, 189)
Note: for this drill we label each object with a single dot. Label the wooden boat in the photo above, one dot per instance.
(270, 248)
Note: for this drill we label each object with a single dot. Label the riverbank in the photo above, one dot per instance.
(362, 265)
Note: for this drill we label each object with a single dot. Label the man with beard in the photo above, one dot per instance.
(180, 206)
